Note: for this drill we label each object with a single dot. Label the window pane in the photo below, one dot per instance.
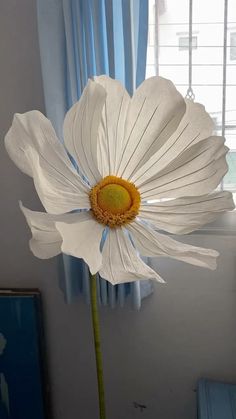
(207, 34)
(230, 177)
(151, 35)
(231, 104)
(169, 34)
(150, 71)
(151, 55)
(231, 74)
(172, 55)
(184, 43)
(210, 34)
(211, 98)
(207, 60)
(232, 51)
(230, 117)
(208, 55)
(232, 11)
(177, 74)
(230, 139)
(207, 74)
(173, 11)
(181, 89)
(205, 11)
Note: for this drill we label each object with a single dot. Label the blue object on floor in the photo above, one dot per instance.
(216, 400)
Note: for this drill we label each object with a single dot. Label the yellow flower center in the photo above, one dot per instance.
(114, 198)
(114, 201)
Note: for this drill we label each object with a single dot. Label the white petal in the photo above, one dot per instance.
(120, 261)
(56, 195)
(46, 240)
(81, 238)
(181, 216)
(195, 126)
(153, 115)
(151, 243)
(32, 144)
(111, 129)
(197, 171)
(81, 130)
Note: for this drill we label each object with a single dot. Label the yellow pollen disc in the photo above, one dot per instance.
(114, 198)
(114, 201)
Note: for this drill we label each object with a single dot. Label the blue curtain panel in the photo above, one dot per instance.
(216, 400)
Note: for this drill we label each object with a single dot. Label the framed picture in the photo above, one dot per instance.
(23, 381)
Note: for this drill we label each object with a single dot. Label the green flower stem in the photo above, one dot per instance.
(97, 345)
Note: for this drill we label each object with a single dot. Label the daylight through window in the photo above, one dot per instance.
(213, 68)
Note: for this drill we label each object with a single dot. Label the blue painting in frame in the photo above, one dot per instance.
(23, 383)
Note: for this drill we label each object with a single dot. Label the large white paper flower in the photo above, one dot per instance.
(130, 153)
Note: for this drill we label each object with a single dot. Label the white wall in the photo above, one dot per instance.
(153, 357)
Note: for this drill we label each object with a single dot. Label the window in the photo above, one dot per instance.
(184, 43)
(233, 46)
(213, 62)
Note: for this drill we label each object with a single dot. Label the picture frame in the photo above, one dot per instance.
(24, 385)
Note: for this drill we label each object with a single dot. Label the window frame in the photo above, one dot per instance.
(225, 224)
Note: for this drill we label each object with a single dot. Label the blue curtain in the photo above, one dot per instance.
(79, 39)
